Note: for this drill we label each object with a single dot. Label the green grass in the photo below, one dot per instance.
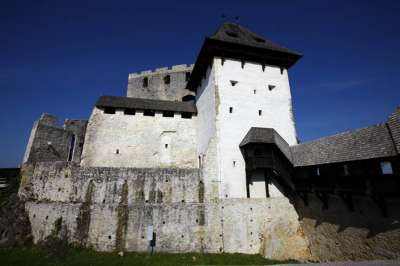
(35, 256)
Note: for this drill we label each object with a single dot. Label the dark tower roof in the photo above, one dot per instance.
(234, 33)
(234, 41)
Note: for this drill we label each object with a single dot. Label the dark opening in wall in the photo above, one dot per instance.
(71, 148)
(129, 111)
(145, 82)
(230, 109)
(255, 91)
(271, 87)
(186, 115)
(260, 112)
(167, 79)
(117, 151)
(188, 98)
(233, 82)
(166, 146)
(168, 114)
(149, 113)
(187, 76)
(109, 110)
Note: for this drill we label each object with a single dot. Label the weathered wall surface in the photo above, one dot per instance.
(120, 140)
(338, 234)
(110, 209)
(156, 87)
(49, 142)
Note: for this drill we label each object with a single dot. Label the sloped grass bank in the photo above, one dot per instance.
(35, 256)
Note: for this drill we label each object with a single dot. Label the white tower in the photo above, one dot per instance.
(241, 81)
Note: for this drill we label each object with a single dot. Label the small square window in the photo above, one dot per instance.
(109, 110)
(145, 82)
(149, 113)
(386, 168)
(186, 115)
(167, 79)
(168, 114)
(129, 111)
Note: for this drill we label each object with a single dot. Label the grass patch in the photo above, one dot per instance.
(35, 256)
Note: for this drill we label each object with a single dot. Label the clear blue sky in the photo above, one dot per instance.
(60, 56)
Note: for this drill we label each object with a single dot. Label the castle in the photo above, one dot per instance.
(206, 158)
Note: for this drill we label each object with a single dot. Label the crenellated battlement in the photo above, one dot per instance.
(162, 70)
(164, 83)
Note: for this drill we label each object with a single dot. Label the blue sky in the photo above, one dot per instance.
(60, 56)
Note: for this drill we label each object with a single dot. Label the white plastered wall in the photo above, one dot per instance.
(250, 94)
(141, 141)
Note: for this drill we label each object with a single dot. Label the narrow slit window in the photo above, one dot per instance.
(129, 111)
(271, 87)
(186, 115)
(145, 82)
(234, 163)
(259, 112)
(71, 148)
(167, 79)
(166, 146)
(254, 91)
(386, 168)
(149, 113)
(230, 109)
(117, 151)
(168, 114)
(109, 110)
(233, 83)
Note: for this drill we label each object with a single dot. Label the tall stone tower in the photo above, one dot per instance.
(241, 81)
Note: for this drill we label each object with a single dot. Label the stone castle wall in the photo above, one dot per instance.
(110, 209)
(158, 86)
(50, 142)
(121, 140)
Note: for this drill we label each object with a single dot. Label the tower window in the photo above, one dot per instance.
(386, 168)
(109, 110)
(259, 112)
(187, 77)
(129, 111)
(145, 82)
(271, 87)
(166, 146)
(117, 151)
(167, 79)
(230, 109)
(234, 163)
(233, 82)
(254, 91)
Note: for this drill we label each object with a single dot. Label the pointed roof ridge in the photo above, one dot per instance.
(236, 33)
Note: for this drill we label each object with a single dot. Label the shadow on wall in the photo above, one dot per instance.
(336, 233)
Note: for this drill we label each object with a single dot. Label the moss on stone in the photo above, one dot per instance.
(123, 214)
(83, 219)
